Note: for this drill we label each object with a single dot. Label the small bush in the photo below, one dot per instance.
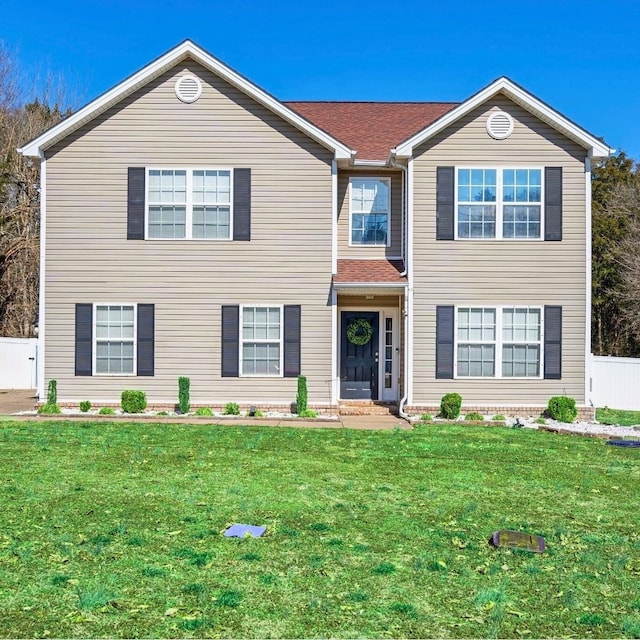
(184, 403)
(499, 418)
(52, 392)
(162, 413)
(474, 416)
(49, 408)
(231, 409)
(308, 413)
(85, 406)
(450, 405)
(540, 420)
(106, 411)
(258, 414)
(562, 409)
(301, 396)
(426, 417)
(133, 401)
(204, 411)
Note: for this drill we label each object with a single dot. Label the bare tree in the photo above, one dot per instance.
(19, 202)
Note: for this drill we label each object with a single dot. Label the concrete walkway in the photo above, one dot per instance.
(12, 400)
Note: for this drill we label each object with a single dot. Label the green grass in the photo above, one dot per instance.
(115, 530)
(618, 416)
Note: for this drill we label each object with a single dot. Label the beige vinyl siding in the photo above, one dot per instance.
(505, 272)
(365, 251)
(287, 261)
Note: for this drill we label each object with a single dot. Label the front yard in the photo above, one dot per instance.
(114, 529)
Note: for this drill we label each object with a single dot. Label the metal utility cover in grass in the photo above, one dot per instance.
(631, 444)
(243, 530)
(518, 540)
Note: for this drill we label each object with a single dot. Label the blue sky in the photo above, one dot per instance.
(582, 57)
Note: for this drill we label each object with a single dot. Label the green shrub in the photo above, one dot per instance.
(133, 401)
(499, 418)
(231, 409)
(85, 405)
(204, 411)
(52, 392)
(450, 405)
(308, 413)
(474, 416)
(162, 413)
(106, 411)
(562, 409)
(301, 396)
(540, 420)
(183, 394)
(426, 417)
(49, 407)
(258, 414)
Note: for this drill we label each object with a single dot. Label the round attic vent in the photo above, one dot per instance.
(499, 125)
(188, 88)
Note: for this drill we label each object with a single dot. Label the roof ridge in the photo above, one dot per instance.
(372, 101)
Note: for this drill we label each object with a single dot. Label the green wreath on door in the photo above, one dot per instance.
(360, 332)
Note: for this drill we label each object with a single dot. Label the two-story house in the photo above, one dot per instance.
(193, 224)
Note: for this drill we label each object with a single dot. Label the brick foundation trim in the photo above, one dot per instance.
(585, 414)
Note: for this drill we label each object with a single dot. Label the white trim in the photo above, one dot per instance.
(588, 283)
(499, 341)
(186, 49)
(393, 394)
(409, 295)
(188, 204)
(361, 245)
(334, 217)
(492, 132)
(279, 341)
(525, 99)
(40, 361)
(94, 339)
(370, 163)
(370, 285)
(335, 371)
(499, 203)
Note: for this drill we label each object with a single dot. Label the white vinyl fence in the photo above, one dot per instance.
(615, 382)
(18, 363)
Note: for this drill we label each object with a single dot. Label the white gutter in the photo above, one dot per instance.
(588, 277)
(42, 287)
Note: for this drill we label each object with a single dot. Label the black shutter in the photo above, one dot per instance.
(552, 343)
(146, 339)
(84, 339)
(230, 341)
(553, 203)
(444, 342)
(445, 203)
(135, 203)
(242, 204)
(292, 315)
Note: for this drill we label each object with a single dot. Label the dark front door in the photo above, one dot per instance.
(359, 355)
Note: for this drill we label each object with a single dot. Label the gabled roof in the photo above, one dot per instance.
(186, 49)
(372, 128)
(595, 147)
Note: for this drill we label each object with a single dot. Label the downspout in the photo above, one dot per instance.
(405, 311)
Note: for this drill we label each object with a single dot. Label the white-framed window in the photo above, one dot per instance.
(499, 203)
(261, 340)
(484, 334)
(114, 339)
(189, 204)
(370, 211)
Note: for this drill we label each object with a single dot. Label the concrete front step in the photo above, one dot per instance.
(367, 408)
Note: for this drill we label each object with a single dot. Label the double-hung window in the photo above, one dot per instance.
(370, 211)
(503, 203)
(261, 341)
(513, 334)
(115, 339)
(189, 204)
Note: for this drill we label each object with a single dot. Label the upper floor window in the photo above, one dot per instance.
(370, 211)
(189, 204)
(499, 203)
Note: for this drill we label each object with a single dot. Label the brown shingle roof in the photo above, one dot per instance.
(371, 128)
(369, 272)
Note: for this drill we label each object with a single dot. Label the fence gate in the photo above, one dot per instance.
(18, 363)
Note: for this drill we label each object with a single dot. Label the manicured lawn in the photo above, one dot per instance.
(114, 530)
(618, 416)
